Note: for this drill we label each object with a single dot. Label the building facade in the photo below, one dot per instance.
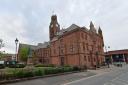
(42, 55)
(37, 54)
(8, 57)
(75, 46)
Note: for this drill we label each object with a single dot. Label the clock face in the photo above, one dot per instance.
(56, 25)
(52, 25)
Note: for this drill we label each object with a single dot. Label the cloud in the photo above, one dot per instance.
(28, 20)
(11, 27)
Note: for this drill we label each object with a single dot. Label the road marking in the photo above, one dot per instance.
(123, 80)
(109, 84)
(91, 77)
(117, 79)
(83, 79)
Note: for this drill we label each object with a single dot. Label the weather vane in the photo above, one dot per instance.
(53, 12)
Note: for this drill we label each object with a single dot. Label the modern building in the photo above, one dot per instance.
(75, 46)
(117, 56)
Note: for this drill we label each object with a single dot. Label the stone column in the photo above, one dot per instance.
(111, 59)
(124, 58)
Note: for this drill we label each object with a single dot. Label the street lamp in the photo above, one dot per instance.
(107, 56)
(16, 42)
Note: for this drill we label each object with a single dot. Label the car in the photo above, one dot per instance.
(2, 64)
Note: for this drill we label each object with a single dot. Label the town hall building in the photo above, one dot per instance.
(74, 46)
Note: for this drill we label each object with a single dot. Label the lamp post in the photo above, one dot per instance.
(16, 42)
(108, 59)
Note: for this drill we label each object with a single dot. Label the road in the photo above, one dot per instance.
(117, 77)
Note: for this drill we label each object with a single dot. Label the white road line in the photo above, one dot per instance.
(109, 84)
(120, 82)
(123, 80)
(117, 79)
(83, 79)
(87, 78)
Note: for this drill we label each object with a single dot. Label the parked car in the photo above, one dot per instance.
(2, 64)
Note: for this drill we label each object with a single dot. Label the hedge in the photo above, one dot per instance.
(2, 66)
(43, 65)
(24, 73)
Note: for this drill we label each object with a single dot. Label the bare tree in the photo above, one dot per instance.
(1, 43)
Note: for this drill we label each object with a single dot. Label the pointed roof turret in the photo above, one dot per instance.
(91, 24)
(100, 31)
(92, 28)
(54, 18)
(101, 35)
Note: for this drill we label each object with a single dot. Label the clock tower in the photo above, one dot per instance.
(54, 27)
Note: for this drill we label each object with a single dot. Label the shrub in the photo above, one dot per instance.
(50, 65)
(39, 65)
(57, 70)
(43, 65)
(2, 66)
(17, 66)
(76, 68)
(22, 73)
(28, 74)
(67, 66)
(19, 74)
(12, 66)
(49, 71)
(20, 65)
(68, 69)
(6, 76)
(39, 72)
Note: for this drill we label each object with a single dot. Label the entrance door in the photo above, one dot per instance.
(62, 61)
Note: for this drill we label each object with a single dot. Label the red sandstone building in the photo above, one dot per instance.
(75, 46)
(8, 57)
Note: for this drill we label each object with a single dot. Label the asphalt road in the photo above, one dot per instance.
(56, 80)
(118, 77)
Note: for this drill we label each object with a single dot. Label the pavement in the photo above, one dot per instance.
(107, 76)
(103, 76)
(105, 69)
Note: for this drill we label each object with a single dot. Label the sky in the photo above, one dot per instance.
(28, 20)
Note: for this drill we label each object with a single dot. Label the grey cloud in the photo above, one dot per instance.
(111, 15)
